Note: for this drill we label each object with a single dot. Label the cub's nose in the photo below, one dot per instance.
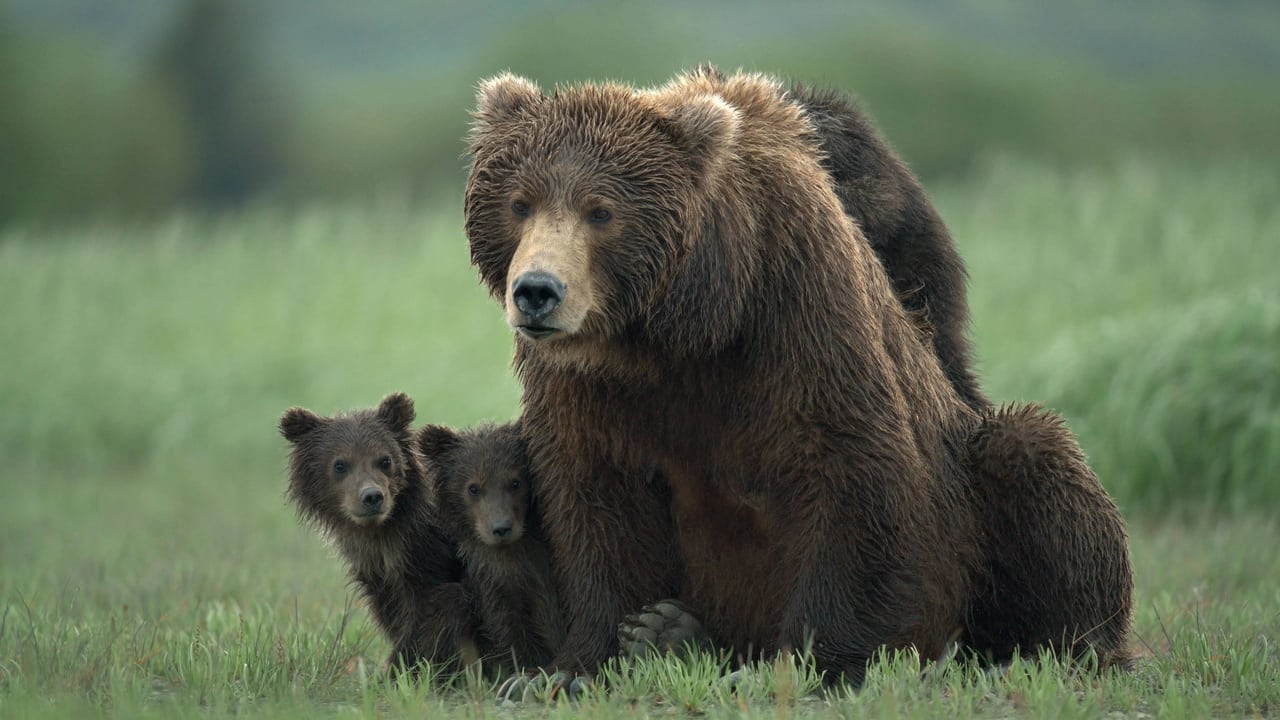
(536, 294)
(371, 498)
(502, 529)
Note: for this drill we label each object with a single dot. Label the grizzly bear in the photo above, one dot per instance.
(358, 479)
(908, 236)
(486, 506)
(688, 294)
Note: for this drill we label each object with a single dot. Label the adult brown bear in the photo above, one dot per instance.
(691, 301)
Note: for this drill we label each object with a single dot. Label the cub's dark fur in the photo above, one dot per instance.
(483, 487)
(357, 478)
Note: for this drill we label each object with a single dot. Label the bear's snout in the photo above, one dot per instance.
(537, 294)
(502, 529)
(371, 499)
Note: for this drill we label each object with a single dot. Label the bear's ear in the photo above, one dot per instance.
(297, 422)
(706, 71)
(396, 410)
(435, 441)
(503, 97)
(704, 126)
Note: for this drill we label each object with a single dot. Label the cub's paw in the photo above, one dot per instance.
(526, 687)
(667, 626)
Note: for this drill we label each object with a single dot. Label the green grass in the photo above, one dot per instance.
(1142, 301)
(149, 564)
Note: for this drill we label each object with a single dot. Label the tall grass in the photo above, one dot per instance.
(1143, 301)
(181, 342)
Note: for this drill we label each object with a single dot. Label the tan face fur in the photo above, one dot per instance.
(555, 242)
(583, 210)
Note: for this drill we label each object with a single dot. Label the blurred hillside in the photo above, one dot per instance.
(137, 106)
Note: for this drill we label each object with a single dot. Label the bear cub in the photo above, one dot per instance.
(486, 505)
(357, 478)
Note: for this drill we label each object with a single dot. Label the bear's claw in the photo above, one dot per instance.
(529, 686)
(667, 626)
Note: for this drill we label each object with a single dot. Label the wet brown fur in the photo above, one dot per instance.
(508, 578)
(1041, 501)
(741, 336)
(404, 565)
(884, 198)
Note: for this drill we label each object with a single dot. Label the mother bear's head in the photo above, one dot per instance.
(603, 216)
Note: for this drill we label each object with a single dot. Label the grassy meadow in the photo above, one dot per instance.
(149, 565)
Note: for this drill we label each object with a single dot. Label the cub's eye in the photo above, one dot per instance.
(384, 464)
(515, 484)
(520, 208)
(339, 467)
(473, 490)
(599, 216)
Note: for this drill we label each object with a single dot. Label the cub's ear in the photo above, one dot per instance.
(503, 97)
(297, 422)
(705, 126)
(436, 441)
(396, 410)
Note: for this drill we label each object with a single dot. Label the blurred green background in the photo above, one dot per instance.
(211, 210)
(137, 106)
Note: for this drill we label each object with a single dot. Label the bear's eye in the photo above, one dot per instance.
(515, 484)
(339, 467)
(520, 208)
(599, 216)
(473, 489)
(384, 464)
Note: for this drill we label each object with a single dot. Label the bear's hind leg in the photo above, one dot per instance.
(1059, 572)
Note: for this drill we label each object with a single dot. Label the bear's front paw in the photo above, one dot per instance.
(667, 626)
(530, 686)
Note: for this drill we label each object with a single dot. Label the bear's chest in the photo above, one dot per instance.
(730, 549)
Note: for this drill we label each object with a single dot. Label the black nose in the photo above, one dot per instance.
(502, 528)
(537, 293)
(371, 498)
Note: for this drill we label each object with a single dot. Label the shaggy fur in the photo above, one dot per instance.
(402, 562)
(737, 336)
(1058, 574)
(907, 234)
(482, 483)
(886, 201)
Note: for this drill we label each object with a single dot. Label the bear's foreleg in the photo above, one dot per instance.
(612, 550)
(509, 634)
(868, 569)
(437, 627)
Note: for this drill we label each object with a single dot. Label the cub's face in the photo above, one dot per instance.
(497, 503)
(577, 203)
(482, 481)
(347, 471)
